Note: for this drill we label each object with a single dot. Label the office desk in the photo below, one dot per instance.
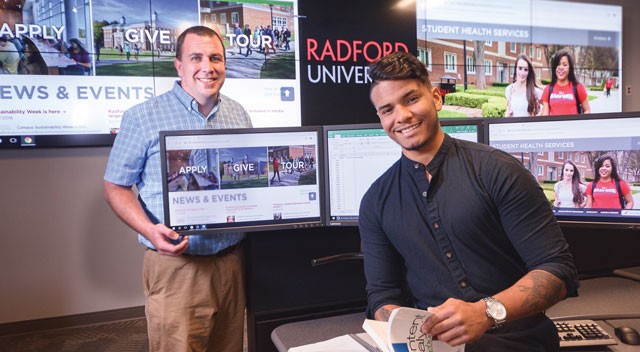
(599, 298)
(310, 331)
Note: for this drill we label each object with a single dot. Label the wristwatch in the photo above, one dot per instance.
(496, 311)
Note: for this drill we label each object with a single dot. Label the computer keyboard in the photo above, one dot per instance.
(574, 333)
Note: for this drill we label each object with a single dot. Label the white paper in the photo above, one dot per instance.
(342, 343)
(403, 333)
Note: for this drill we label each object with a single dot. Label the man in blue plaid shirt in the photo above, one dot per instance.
(193, 286)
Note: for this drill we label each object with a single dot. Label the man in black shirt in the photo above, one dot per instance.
(459, 228)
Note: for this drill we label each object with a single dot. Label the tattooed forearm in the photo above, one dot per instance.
(384, 313)
(544, 290)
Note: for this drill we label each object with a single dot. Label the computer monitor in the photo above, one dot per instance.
(544, 144)
(242, 179)
(356, 155)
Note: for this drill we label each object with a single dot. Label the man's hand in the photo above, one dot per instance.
(161, 238)
(456, 322)
(124, 202)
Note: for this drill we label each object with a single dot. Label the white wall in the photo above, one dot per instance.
(63, 251)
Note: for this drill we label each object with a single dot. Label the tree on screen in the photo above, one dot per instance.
(595, 60)
(478, 53)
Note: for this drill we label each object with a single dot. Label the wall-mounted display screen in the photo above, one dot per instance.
(242, 179)
(71, 69)
(589, 167)
(472, 46)
(356, 155)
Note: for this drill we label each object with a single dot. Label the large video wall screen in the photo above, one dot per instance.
(53, 98)
(474, 45)
(75, 67)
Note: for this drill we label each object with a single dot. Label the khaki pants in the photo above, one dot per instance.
(194, 303)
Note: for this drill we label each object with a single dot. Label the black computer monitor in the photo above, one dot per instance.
(356, 155)
(242, 179)
(544, 144)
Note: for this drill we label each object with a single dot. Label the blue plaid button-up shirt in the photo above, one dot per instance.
(135, 157)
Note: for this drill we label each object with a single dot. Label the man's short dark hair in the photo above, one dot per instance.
(398, 66)
(201, 31)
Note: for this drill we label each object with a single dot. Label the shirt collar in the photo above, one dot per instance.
(190, 102)
(437, 160)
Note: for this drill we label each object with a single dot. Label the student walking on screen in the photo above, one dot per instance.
(523, 95)
(276, 169)
(564, 95)
(608, 86)
(608, 191)
(194, 290)
(458, 228)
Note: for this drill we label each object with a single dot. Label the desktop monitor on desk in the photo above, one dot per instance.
(356, 155)
(242, 179)
(543, 144)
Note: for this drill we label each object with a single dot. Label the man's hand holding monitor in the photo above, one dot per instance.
(217, 181)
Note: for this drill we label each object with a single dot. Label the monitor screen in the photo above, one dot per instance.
(358, 154)
(77, 66)
(563, 151)
(242, 179)
(470, 49)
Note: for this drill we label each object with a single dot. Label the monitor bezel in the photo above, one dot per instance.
(252, 226)
(576, 221)
(43, 141)
(478, 122)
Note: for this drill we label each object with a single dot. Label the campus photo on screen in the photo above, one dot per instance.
(473, 50)
(259, 39)
(76, 67)
(240, 178)
(588, 167)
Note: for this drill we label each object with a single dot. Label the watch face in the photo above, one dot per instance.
(497, 310)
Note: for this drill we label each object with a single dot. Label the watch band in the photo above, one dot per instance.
(497, 321)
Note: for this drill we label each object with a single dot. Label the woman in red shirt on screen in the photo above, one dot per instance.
(562, 95)
(607, 194)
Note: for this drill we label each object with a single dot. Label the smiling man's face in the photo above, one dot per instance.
(408, 113)
(201, 67)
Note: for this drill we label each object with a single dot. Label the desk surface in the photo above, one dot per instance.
(600, 296)
(310, 331)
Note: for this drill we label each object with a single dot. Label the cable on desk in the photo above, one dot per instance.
(336, 258)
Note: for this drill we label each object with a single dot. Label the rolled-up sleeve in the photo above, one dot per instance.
(528, 220)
